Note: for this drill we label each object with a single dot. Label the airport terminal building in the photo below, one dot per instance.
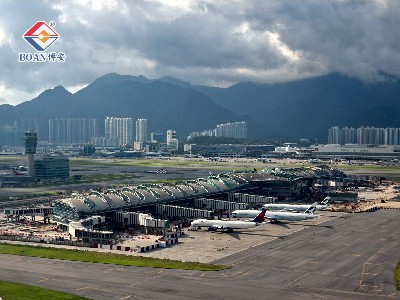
(282, 184)
(354, 151)
(80, 206)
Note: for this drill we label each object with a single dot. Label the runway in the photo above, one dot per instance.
(352, 256)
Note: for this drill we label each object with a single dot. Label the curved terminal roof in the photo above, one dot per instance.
(94, 202)
(115, 200)
(132, 197)
(186, 189)
(199, 189)
(219, 184)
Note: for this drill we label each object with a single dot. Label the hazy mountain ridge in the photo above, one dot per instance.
(166, 106)
(307, 108)
(303, 108)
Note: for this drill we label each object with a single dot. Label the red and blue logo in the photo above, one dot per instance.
(41, 35)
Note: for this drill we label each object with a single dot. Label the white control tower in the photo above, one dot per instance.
(30, 150)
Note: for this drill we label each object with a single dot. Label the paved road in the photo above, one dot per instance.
(350, 257)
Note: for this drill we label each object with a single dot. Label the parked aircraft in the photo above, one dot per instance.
(229, 225)
(296, 207)
(275, 216)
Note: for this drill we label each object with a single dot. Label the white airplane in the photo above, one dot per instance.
(274, 216)
(229, 225)
(296, 207)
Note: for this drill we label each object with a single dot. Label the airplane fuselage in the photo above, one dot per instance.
(275, 215)
(293, 207)
(223, 224)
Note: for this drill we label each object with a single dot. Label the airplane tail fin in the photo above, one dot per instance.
(260, 217)
(326, 200)
(311, 209)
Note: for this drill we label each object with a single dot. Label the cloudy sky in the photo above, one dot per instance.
(207, 42)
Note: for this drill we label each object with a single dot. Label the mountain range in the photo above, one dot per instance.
(291, 110)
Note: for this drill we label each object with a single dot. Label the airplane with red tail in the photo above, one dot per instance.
(229, 225)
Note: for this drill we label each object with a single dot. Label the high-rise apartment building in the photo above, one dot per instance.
(342, 136)
(121, 128)
(24, 125)
(234, 130)
(172, 141)
(141, 130)
(368, 135)
(72, 130)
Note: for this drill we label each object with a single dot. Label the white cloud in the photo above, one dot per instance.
(13, 96)
(76, 88)
(203, 41)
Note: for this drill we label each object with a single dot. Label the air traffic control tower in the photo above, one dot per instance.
(30, 150)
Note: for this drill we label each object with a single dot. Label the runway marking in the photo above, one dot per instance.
(392, 295)
(297, 279)
(223, 274)
(373, 286)
(83, 288)
(120, 269)
(355, 254)
(202, 275)
(44, 279)
(126, 297)
(362, 285)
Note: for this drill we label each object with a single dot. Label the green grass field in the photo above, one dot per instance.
(18, 291)
(156, 163)
(397, 276)
(105, 258)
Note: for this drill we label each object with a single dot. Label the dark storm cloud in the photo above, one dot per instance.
(206, 42)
